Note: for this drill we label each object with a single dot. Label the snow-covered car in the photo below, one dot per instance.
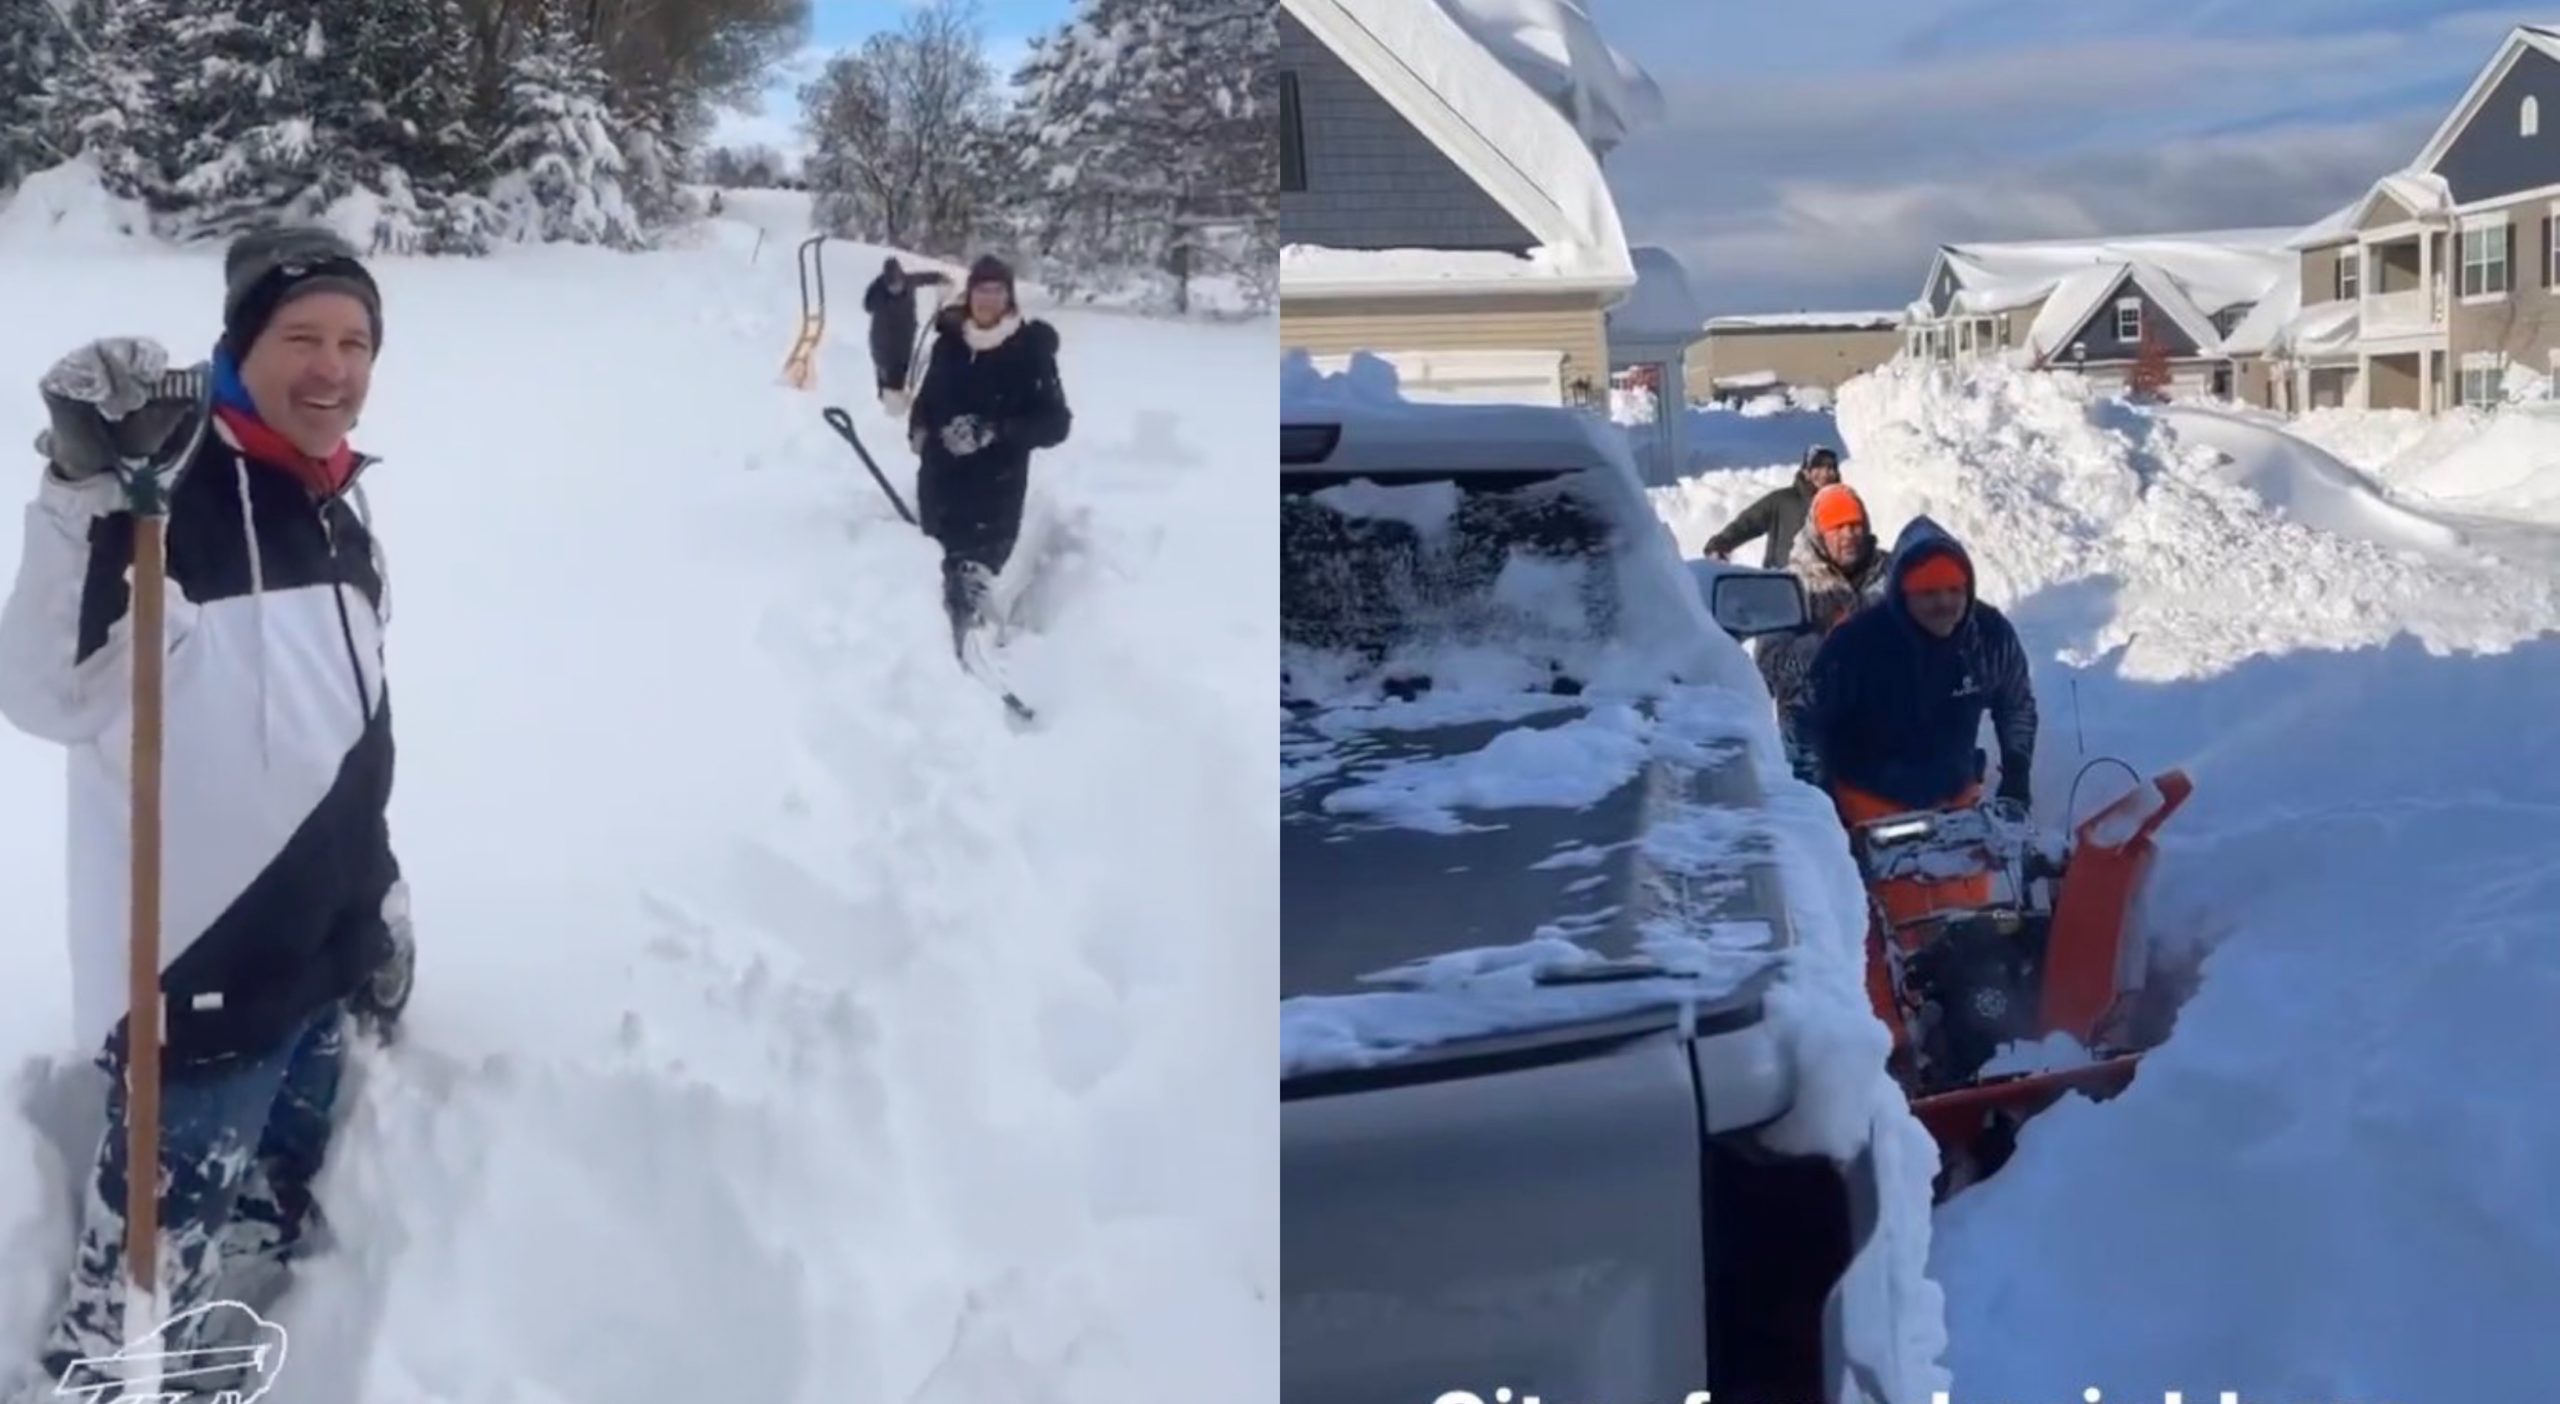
(1528, 1054)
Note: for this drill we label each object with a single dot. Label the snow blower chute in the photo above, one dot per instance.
(800, 367)
(1979, 940)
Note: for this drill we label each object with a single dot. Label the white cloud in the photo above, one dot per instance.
(1822, 243)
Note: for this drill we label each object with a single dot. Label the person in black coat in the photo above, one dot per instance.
(891, 302)
(1779, 514)
(1896, 696)
(991, 397)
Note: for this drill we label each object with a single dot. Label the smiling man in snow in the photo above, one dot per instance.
(283, 905)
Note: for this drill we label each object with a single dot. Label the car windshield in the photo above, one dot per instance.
(1389, 579)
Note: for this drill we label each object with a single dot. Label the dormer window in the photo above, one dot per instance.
(2529, 117)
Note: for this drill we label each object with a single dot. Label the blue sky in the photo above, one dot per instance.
(1008, 26)
(1814, 153)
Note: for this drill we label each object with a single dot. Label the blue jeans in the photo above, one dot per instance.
(240, 1143)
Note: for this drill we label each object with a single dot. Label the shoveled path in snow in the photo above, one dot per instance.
(786, 1029)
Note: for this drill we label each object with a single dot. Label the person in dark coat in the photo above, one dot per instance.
(991, 397)
(1779, 515)
(1887, 718)
(891, 302)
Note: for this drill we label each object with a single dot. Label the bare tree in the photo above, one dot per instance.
(900, 129)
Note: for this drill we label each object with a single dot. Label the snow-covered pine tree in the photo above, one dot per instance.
(558, 159)
(107, 103)
(35, 48)
(258, 106)
(1066, 146)
(411, 130)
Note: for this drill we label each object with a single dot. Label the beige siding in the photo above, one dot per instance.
(2253, 383)
(2320, 273)
(1823, 358)
(2385, 213)
(1574, 325)
(2523, 326)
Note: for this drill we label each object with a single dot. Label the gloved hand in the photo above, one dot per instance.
(966, 435)
(378, 1002)
(111, 400)
(2014, 790)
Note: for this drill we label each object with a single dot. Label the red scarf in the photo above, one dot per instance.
(323, 476)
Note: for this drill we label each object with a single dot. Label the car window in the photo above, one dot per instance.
(1381, 566)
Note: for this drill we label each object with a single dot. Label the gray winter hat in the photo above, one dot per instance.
(267, 268)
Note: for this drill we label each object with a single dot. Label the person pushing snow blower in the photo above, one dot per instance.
(892, 304)
(991, 397)
(1887, 716)
(284, 913)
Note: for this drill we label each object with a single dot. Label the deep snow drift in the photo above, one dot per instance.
(2330, 1184)
(786, 1028)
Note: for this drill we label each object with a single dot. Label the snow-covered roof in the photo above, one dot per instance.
(2190, 276)
(1556, 47)
(2335, 226)
(2257, 332)
(1806, 321)
(1661, 309)
(2323, 329)
(1498, 129)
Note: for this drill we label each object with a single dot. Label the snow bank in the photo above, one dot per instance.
(786, 1029)
(2330, 1183)
(2095, 527)
(2504, 465)
(1775, 436)
(66, 208)
(2302, 484)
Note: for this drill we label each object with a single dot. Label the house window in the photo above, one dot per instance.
(1293, 141)
(2484, 259)
(2529, 117)
(2350, 274)
(2129, 319)
(2482, 374)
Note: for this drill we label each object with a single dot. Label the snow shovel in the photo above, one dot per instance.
(147, 477)
(842, 423)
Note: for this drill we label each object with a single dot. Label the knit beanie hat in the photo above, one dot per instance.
(1838, 506)
(268, 268)
(1940, 572)
(991, 269)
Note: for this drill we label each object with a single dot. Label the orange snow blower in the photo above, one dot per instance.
(1980, 939)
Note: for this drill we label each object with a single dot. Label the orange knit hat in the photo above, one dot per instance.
(1838, 506)
(1939, 572)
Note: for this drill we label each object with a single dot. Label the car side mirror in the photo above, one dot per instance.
(1748, 604)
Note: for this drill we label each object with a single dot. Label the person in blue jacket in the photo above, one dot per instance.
(1889, 714)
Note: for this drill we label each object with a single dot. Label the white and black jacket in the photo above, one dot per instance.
(277, 862)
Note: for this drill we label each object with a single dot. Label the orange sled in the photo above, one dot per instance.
(1977, 939)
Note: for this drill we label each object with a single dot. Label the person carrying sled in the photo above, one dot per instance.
(1779, 514)
(991, 397)
(891, 302)
(1888, 714)
(286, 917)
(1842, 571)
